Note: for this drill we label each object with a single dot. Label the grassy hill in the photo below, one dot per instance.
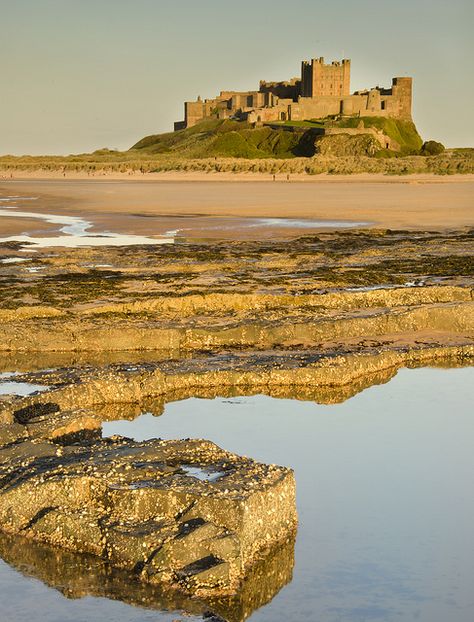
(232, 146)
(227, 138)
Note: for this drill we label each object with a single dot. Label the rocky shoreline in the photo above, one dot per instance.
(107, 334)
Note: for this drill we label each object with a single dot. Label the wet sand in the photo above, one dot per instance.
(152, 207)
(18, 226)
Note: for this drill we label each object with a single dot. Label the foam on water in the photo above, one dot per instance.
(76, 230)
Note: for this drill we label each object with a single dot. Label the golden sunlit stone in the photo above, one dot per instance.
(178, 512)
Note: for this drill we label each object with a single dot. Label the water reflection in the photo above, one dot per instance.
(384, 483)
(319, 394)
(81, 576)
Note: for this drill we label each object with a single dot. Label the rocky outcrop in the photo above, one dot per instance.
(255, 294)
(325, 376)
(322, 320)
(305, 328)
(182, 513)
(344, 144)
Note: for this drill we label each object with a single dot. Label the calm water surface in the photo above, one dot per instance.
(75, 231)
(385, 498)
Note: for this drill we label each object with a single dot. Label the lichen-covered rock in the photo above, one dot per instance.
(10, 433)
(179, 512)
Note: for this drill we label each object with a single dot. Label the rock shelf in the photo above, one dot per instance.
(190, 296)
(140, 507)
(183, 513)
(80, 398)
(319, 317)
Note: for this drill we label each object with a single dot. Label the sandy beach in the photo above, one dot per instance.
(195, 202)
(354, 178)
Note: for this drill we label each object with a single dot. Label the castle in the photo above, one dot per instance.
(322, 91)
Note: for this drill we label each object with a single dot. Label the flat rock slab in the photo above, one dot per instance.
(184, 513)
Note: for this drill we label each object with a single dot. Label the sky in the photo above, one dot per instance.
(79, 75)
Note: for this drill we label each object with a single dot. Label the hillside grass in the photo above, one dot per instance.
(233, 146)
(229, 138)
(186, 139)
(223, 138)
(403, 132)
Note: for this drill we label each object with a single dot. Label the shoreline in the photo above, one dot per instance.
(204, 207)
(214, 176)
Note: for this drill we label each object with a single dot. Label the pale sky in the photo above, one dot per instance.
(78, 75)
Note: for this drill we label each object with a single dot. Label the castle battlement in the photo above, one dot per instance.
(323, 90)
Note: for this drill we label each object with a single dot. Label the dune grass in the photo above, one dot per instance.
(449, 163)
(233, 146)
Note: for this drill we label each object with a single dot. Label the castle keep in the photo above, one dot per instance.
(323, 90)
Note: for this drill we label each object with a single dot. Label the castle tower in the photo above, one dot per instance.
(402, 91)
(321, 80)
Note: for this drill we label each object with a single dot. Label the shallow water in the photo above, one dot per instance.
(8, 387)
(75, 230)
(384, 485)
(303, 223)
(15, 260)
(229, 223)
(75, 233)
(204, 475)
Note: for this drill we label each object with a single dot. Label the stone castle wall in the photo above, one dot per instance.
(322, 91)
